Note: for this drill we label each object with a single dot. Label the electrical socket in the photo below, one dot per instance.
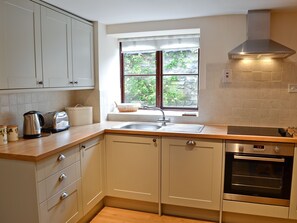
(292, 88)
(227, 75)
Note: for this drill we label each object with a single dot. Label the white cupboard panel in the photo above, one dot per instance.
(19, 27)
(56, 48)
(82, 53)
(191, 172)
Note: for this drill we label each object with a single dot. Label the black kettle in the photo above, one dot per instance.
(33, 121)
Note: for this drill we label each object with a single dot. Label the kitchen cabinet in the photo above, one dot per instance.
(133, 167)
(59, 187)
(92, 169)
(56, 48)
(192, 172)
(40, 47)
(67, 50)
(293, 199)
(82, 54)
(45, 191)
(20, 46)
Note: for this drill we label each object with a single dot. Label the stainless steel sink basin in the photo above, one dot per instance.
(141, 126)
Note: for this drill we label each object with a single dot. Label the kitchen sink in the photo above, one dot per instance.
(141, 126)
(170, 127)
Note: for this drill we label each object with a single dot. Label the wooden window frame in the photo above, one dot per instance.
(159, 80)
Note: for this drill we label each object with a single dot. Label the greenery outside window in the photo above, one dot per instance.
(164, 78)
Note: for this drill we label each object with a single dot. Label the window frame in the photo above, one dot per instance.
(159, 80)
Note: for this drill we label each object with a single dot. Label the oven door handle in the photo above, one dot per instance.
(256, 158)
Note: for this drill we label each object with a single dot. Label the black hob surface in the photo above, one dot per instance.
(257, 131)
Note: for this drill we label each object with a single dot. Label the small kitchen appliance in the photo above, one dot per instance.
(33, 121)
(55, 122)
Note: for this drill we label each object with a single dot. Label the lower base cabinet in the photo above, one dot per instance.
(192, 172)
(92, 160)
(133, 167)
(58, 189)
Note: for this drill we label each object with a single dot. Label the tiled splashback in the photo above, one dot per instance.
(258, 94)
(13, 106)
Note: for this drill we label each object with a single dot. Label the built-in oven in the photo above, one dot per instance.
(258, 172)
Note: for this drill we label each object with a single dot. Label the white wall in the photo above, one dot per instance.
(109, 72)
(258, 94)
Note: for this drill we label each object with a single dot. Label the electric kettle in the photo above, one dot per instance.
(33, 121)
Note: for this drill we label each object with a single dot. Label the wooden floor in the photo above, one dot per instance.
(116, 215)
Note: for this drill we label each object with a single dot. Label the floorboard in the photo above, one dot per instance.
(116, 215)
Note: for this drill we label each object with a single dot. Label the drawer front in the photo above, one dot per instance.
(65, 206)
(58, 181)
(57, 162)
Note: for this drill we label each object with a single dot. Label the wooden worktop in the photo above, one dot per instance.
(40, 148)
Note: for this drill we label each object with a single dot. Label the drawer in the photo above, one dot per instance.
(65, 206)
(58, 181)
(57, 162)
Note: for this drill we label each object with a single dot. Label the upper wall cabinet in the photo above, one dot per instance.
(20, 65)
(42, 47)
(56, 48)
(67, 50)
(82, 54)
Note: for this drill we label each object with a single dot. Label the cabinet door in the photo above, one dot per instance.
(56, 48)
(191, 172)
(92, 173)
(20, 55)
(82, 54)
(133, 167)
(293, 200)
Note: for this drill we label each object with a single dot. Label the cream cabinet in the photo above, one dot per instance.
(82, 54)
(92, 170)
(43, 47)
(20, 46)
(133, 167)
(293, 199)
(56, 48)
(192, 172)
(43, 192)
(59, 187)
(67, 50)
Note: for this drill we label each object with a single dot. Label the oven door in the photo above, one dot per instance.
(258, 178)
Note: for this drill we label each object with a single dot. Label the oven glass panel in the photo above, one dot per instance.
(257, 177)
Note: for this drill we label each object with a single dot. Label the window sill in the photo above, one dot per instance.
(152, 116)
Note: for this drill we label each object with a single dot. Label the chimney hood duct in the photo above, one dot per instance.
(258, 45)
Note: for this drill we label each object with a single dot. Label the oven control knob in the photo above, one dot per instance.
(241, 148)
(276, 149)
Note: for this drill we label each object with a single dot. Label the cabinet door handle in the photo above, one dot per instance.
(75, 82)
(61, 157)
(63, 196)
(40, 82)
(70, 82)
(83, 146)
(62, 177)
(191, 143)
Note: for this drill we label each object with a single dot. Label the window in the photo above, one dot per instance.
(166, 78)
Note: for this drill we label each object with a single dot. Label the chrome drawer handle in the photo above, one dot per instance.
(61, 157)
(62, 177)
(64, 195)
(191, 143)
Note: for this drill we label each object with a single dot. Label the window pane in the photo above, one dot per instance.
(180, 61)
(140, 63)
(180, 91)
(141, 89)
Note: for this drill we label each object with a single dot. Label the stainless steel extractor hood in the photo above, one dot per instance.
(259, 45)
